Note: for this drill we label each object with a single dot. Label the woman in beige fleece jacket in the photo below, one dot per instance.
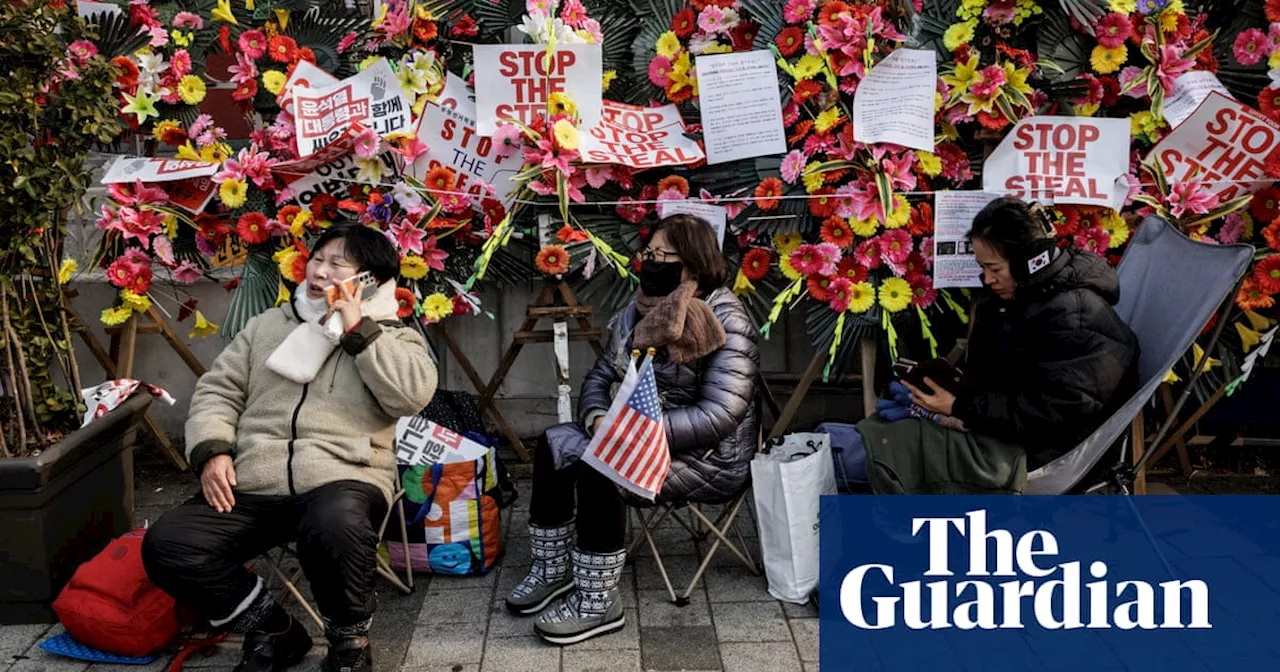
(291, 432)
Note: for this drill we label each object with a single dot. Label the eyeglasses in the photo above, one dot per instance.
(661, 256)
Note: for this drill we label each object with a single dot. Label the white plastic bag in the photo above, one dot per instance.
(789, 475)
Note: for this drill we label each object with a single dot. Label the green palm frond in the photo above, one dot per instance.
(767, 13)
(1087, 12)
(322, 34)
(259, 286)
(820, 326)
(494, 16)
(116, 37)
(932, 23)
(1063, 46)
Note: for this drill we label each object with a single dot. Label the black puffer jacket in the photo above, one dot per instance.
(1048, 367)
(708, 406)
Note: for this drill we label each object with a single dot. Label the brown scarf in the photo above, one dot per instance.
(680, 321)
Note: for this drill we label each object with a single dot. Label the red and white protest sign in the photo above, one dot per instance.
(101, 399)
(448, 129)
(330, 170)
(186, 182)
(374, 98)
(640, 137)
(1063, 160)
(304, 75)
(422, 442)
(1222, 141)
(514, 81)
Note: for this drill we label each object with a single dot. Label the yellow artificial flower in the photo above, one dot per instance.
(413, 267)
(66, 270)
(901, 213)
(116, 315)
(162, 127)
(1247, 234)
(1169, 19)
(203, 327)
(560, 103)
(1273, 61)
(191, 90)
(929, 163)
(566, 134)
(436, 307)
(826, 119)
(274, 81)
(962, 76)
(1124, 6)
(222, 12)
(808, 66)
(786, 242)
(607, 79)
(971, 9)
(813, 181)
(742, 285)
(1115, 225)
(369, 60)
(861, 297)
(1106, 61)
(1258, 322)
(284, 260)
(864, 228)
(895, 294)
(187, 152)
(136, 302)
(282, 17)
(170, 226)
(1086, 110)
(668, 45)
(142, 106)
(282, 293)
(784, 264)
(718, 49)
(680, 78)
(1017, 78)
(420, 104)
(958, 34)
(300, 222)
(215, 153)
(233, 193)
(1197, 355)
(1249, 338)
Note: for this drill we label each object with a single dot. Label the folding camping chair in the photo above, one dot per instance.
(290, 581)
(1169, 288)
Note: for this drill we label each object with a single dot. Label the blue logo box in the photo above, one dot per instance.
(1051, 584)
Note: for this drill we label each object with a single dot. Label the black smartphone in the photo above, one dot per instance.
(943, 374)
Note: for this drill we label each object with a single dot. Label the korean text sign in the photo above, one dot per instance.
(373, 98)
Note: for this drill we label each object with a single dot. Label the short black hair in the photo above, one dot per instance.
(699, 250)
(369, 249)
(1009, 223)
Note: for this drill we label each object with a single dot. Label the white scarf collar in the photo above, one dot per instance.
(302, 353)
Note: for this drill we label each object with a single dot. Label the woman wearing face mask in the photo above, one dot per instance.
(291, 433)
(705, 369)
(1048, 360)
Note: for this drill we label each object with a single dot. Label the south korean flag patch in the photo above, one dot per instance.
(1037, 262)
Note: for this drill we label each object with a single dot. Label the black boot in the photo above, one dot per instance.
(348, 654)
(268, 652)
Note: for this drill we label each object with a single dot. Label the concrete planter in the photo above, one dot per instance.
(61, 507)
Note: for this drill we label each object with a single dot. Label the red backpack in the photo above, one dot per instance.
(111, 605)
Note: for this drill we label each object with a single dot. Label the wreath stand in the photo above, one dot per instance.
(867, 352)
(117, 362)
(555, 302)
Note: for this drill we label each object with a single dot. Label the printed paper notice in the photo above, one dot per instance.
(448, 129)
(894, 102)
(640, 137)
(305, 75)
(715, 215)
(741, 110)
(1189, 90)
(953, 262)
(1062, 160)
(514, 81)
(373, 98)
(1223, 142)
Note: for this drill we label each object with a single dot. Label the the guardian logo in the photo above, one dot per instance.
(1038, 587)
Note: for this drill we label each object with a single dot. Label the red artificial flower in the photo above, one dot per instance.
(994, 122)
(568, 234)
(1267, 274)
(1269, 103)
(224, 37)
(755, 263)
(324, 207)
(128, 77)
(246, 91)
(1069, 224)
(851, 269)
(915, 265)
(425, 30)
(831, 12)
(744, 36)
(552, 260)
(823, 203)
(800, 130)
(1110, 90)
(439, 178)
(406, 302)
(287, 214)
(1272, 8)
(1205, 60)
(282, 49)
(684, 23)
(174, 136)
(1272, 235)
(305, 54)
(820, 287)
(465, 27)
(493, 209)
(768, 193)
(789, 40)
(836, 230)
(130, 275)
(805, 90)
(252, 228)
(1265, 205)
(921, 222)
(1112, 30)
(676, 182)
(460, 305)
(1253, 297)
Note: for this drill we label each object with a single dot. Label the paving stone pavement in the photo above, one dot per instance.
(460, 624)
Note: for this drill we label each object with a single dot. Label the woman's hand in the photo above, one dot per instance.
(937, 401)
(217, 479)
(348, 307)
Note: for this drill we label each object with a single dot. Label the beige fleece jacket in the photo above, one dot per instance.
(288, 438)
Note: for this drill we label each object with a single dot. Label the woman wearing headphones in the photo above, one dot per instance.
(1048, 360)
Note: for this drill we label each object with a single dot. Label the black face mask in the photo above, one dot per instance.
(660, 279)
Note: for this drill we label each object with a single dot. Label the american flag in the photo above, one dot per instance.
(630, 447)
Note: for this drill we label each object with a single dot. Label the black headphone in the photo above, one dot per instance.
(1030, 257)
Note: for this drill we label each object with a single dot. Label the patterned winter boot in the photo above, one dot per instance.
(594, 609)
(548, 576)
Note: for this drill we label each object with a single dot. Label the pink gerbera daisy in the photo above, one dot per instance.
(895, 246)
(1250, 46)
(1113, 29)
(868, 253)
(808, 259)
(1093, 239)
